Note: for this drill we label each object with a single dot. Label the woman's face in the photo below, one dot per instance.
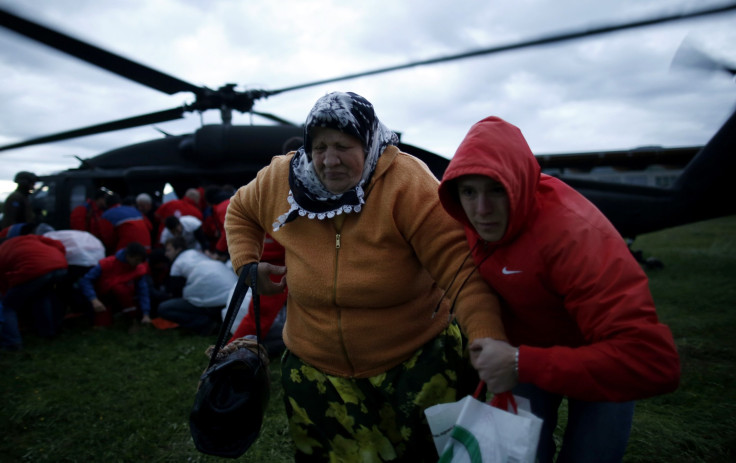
(338, 159)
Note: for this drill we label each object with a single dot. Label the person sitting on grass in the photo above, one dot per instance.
(204, 284)
(117, 283)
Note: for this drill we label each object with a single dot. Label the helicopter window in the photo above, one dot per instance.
(169, 193)
(77, 196)
(636, 179)
(664, 181)
(43, 201)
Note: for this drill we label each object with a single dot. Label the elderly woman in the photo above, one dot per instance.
(376, 273)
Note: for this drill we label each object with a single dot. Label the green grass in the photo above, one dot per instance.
(115, 395)
(123, 395)
(696, 296)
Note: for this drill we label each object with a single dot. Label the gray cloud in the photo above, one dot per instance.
(614, 91)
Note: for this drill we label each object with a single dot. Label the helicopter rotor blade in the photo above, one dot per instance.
(275, 118)
(690, 56)
(226, 97)
(515, 46)
(136, 121)
(96, 56)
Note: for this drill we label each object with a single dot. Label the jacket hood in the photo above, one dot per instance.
(496, 149)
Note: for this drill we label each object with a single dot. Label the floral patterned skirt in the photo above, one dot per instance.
(381, 418)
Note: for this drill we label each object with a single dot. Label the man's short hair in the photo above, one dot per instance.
(193, 194)
(136, 249)
(177, 242)
(144, 198)
(101, 193)
(112, 199)
(171, 222)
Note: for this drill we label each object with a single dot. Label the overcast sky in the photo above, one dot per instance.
(613, 91)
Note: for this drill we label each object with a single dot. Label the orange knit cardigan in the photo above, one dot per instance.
(363, 306)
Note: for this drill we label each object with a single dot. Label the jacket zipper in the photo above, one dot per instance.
(337, 222)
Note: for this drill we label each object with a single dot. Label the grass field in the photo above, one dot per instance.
(123, 394)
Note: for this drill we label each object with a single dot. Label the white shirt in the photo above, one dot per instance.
(209, 281)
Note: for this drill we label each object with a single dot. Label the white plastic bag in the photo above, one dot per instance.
(442, 419)
(82, 248)
(472, 431)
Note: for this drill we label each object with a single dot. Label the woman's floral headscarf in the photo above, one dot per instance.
(349, 113)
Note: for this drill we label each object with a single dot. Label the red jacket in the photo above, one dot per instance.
(122, 225)
(178, 207)
(86, 218)
(116, 272)
(219, 211)
(575, 300)
(27, 257)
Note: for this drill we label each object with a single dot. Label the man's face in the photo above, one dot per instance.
(170, 252)
(143, 206)
(486, 205)
(27, 185)
(134, 261)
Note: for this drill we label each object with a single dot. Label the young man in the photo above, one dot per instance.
(577, 307)
(118, 282)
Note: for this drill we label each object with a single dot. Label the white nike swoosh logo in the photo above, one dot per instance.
(506, 271)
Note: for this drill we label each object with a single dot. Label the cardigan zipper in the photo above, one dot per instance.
(337, 222)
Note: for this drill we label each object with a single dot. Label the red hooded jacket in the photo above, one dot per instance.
(574, 298)
(27, 257)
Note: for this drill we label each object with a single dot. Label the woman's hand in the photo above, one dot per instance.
(266, 285)
(495, 361)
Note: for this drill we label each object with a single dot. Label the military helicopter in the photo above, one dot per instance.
(229, 154)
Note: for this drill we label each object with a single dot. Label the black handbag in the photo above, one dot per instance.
(234, 390)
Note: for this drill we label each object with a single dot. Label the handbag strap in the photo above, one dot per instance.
(241, 288)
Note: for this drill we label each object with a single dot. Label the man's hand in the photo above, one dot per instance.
(494, 361)
(97, 305)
